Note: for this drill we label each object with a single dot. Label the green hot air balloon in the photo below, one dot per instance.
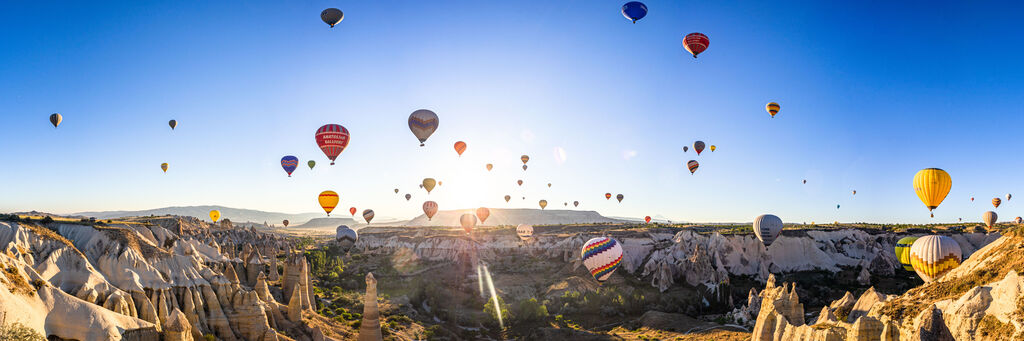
(311, 163)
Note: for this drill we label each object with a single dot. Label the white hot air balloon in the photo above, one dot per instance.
(989, 218)
(524, 231)
(601, 256)
(934, 256)
(767, 227)
(345, 237)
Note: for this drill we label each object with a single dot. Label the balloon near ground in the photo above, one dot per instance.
(345, 237)
(423, 123)
(429, 209)
(989, 218)
(468, 222)
(289, 163)
(332, 139)
(932, 185)
(482, 214)
(215, 215)
(328, 200)
(647, 219)
(934, 256)
(695, 43)
(525, 232)
(285, 222)
(601, 256)
(543, 204)
(332, 16)
(903, 252)
(634, 10)
(1018, 220)
(773, 108)
(767, 227)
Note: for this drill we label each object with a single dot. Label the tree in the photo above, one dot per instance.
(531, 310)
(489, 309)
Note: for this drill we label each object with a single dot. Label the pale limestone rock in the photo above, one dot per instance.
(253, 267)
(846, 302)
(116, 302)
(177, 327)
(88, 294)
(273, 269)
(147, 311)
(865, 329)
(250, 315)
(864, 304)
(218, 322)
(929, 325)
(262, 289)
(229, 273)
(295, 306)
(369, 330)
(191, 315)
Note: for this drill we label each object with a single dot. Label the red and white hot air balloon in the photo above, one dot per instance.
(430, 209)
(696, 43)
(332, 139)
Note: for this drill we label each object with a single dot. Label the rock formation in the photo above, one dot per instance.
(177, 327)
(369, 330)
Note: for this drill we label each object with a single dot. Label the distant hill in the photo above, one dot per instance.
(515, 216)
(236, 215)
(319, 223)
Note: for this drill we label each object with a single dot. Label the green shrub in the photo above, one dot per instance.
(18, 331)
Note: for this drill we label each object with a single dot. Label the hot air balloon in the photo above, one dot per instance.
(55, 119)
(524, 158)
(346, 237)
(989, 218)
(713, 148)
(525, 167)
(460, 147)
(696, 43)
(934, 256)
(619, 197)
(837, 206)
(566, 204)
(525, 232)
(520, 182)
(332, 139)
(428, 184)
(289, 163)
(1017, 220)
(482, 213)
(430, 209)
(543, 204)
(903, 252)
(1008, 196)
(932, 185)
(332, 16)
(215, 215)
(576, 204)
(686, 149)
(698, 146)
(647, 219)
(328, 200)
(607, 196)
(489, 167)
(352, 210)
(805, 181)
(311, 164)
(368, 215)
(408, 196)
(172, 123)
(996, 202)
(549, 185)
(396, 191)
(468, 222)
(601, 256)
(634, 10)
(773, 108)
(439, 183)
(423, 123)
(524, 198)
(692, 166)
(164, 167)
(854, 192)
(285, 222)
(767, 227)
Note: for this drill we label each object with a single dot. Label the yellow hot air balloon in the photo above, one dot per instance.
(903, 252)
(934, 256)
(328, 200)
(996, 202)
(164, 167)
(713, 148)
(215, 215)
(773, 108)
(428, 184)
(543, 204)
(932, 185)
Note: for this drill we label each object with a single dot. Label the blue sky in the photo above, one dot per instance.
(871, 92)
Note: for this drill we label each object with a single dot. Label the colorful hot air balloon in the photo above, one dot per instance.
(215, 215)
(934, 256)
(328, 200)
(332, 16)
(368, 215)
(508, 197)
(520, 182)
(713, 148)
(289, 163)
(428, 184)
(607, 196)
(686, 149)
(1017, 220)
(903, 252)
(692, 166)
(698, 146)
(996, 202)
(430, 209)
(468, 222)
(489, 167)
(989, 218)
(854, 192)
(408, 196)
(460, 147)
(311, 164)
(55, 119)
(423, 123)
(696, 43)
(601, 256)
(576, 204)
(524, 158)
(285, 222)
(525, 232)
(932, 185)
(332, 139)
(543, 204)
(164, 167)
(352, 210)
(525, 167)
(439, 183)
(482, 213)
(773, 108)
(767, 227)
(345, 237)
(634, 10)
(172, 123)
(619, 197)
(647, 219)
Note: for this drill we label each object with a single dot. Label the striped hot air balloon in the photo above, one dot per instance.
(996, 202)
(696, 43)
(989, 218)
(332, 139)
(767, 227)
(55, 119)
(460, 147)
(601, 256)
(289, 163)
(773, 108)
(328, 200)
(423, 123)
(692, 166)
(346, 237)
(368, 215)
(934, 256)
(698, 146)
(525, 232)
(607, 196)
(903, 252)
(647, 219)
(430, 209)
(164, 167)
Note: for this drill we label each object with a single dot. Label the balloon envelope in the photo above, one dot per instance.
(164, 167)
(619, 197)
(698, 146)
(543, 204)
(601, 256)
(692, 166)
(713, 148)
(996, 202)
(508, 197)
(696, 43)
(285, 222)
(1018, 220)
(332, 139)
(932, 185)
(489, 167)
(332, 16)
(172, 123)
(289, 163)
(215, 215)
(903, 252)
(346, 237)
(311, 163)
(524, 158)
(989, 218)
(634, 10)
(423, 123)
(525, 232)
(408, 196)
(352, 210)
(55, 119)
(430, 209)
(934, 256)
(647, 219)
(686, 149)
(767, 227)
(773, 108)
(520, 182)
(460, 147)
(368, 215)
(468, 222)
(328, 200)
(575, 203)
(428, 184)
(482, 213)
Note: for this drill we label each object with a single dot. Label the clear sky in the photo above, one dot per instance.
(871, 92)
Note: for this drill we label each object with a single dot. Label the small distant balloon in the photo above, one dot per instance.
(996, 202)
(289, 163)
(647, 219)
(713, 148)
(773, 108)
(696, 43)
(285, 222)
(482, 214)
(396, 191)
(423, 123)
(332, 16)
(686, 149)
(634, 10)
(430, 209)
(549, 185)
(368, 215)
(805, 181)
(352, 210)
(408, 196)
(172, 123)
(428, 184)
(607, 196)
(524, 167)
(524, 158)
(164, 167)
(215, 215)
(311, 164)
(520, 182)
(55, 119)
(489, 167)
(460, 147)
(508, 197)
(576, 204)
(698, 146)
(692, 166)
(468, 222)
(619, 197)
(543, 204)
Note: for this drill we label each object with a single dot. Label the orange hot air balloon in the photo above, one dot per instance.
(430, 209)
(352, 210)
(328, 200)
(483, 213)
(996, 202)
(607, 196)
(525, 158)
(460, 147)
(468, 222)
(696, 43)
(647, 219)
(489, 167)
(520, 182)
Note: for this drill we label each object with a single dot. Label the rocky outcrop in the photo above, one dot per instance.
(295, 305)
(369, 330)
(177, 327)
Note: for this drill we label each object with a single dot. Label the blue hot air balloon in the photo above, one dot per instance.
(289, 163)
(634, 10)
